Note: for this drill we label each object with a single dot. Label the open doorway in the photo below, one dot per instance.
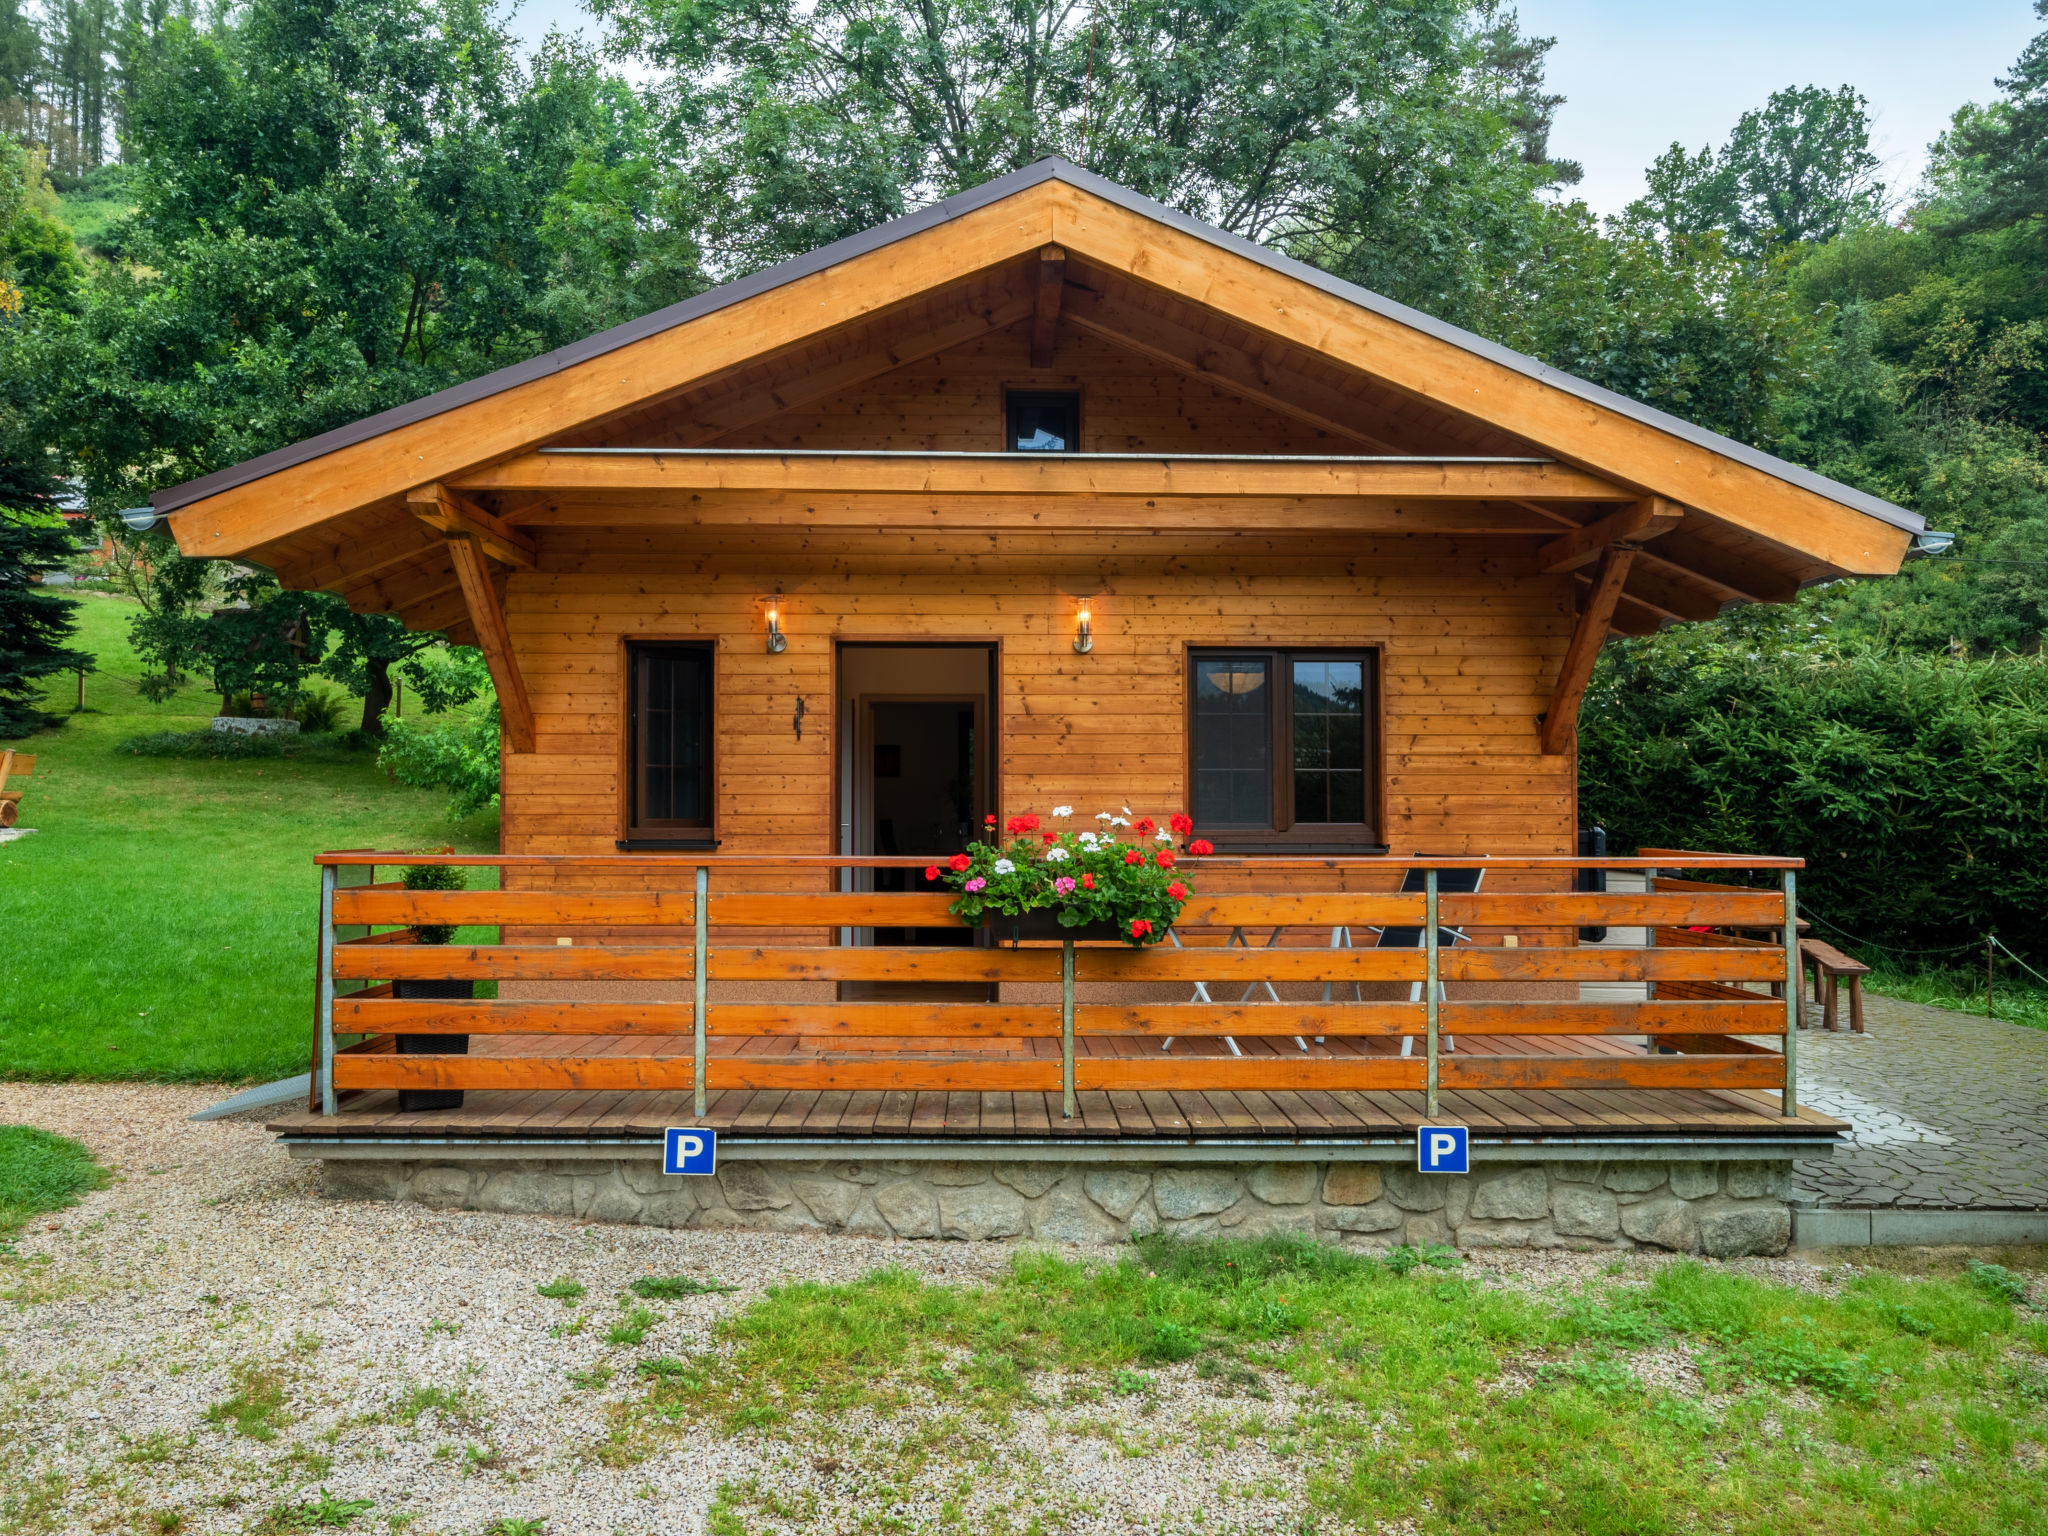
(916, 769)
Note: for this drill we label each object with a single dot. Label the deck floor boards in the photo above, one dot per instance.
(1173, 1115)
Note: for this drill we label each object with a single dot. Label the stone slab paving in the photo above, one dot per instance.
(1950, 1111)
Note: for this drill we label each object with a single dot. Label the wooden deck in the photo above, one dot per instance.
(1368, 1006)
(1119, 1114)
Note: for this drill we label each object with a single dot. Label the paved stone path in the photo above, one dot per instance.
(1950, 1111)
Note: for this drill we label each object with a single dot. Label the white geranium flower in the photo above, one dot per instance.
(1162, 836)
(1088, 839)
(1127, 810)
(1056, 855)
(1063, 811)
(1005, 867)
(1119, 821)
(1105, 816)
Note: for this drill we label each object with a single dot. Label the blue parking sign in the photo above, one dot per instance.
(689, 1149)
(1443, 1149)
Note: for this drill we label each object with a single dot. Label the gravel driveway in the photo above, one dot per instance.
(209, 1341)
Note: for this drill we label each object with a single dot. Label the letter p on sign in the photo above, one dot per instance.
(689, 1149)
(1443, 1149)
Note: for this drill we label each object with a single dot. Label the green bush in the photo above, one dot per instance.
(234, 746)
(459, 756)
(1916, 788)
(434, 877)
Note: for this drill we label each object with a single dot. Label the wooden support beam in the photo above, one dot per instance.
(456, 515)
(1041, 474)
(1278, 515)
(494, 639)
(1561, 715)
(1645, 519)
(1045, 314)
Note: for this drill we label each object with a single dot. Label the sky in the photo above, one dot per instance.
(1639, 74)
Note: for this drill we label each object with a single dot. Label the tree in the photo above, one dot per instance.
(2010, 145)
(33, 622)
(367, 646)
(1380, 141)
(1797, 171)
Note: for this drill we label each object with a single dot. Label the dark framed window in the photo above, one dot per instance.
(1281, 746)
(671, 790)
(1043, 423)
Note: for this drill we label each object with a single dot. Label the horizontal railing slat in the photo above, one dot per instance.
(357, 1015)
(1746, 1071)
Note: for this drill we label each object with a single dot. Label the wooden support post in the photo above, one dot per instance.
(1642, 520)
(1429, 988)
(701, 1047)
(1794, 986)
(326, 993)
(1561, 715)
(1067, 1105)
(1045, 314)
(487, 617)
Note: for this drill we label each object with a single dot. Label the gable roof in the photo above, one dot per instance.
(960, 204)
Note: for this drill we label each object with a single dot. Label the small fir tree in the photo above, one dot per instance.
(34, 622)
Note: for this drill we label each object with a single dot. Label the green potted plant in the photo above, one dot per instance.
(1120, 880)
(432, 877)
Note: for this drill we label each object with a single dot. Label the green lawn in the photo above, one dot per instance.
(40, 1172)
(1686, 1398)
(160, 924)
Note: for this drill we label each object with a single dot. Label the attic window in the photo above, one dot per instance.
(1044, 423)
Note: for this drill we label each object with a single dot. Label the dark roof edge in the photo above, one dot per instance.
(961, 203)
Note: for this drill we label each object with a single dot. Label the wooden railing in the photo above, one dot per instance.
(722, 973)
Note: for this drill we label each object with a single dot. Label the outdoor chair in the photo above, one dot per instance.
(1449, 882)
(12, 765)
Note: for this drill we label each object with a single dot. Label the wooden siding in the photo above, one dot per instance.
(1467, 664)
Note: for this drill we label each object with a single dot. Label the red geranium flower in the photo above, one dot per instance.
(1146, 827)
(1134, 857)
(1139, 927)
(931, 872)
(1177, 891)
(959, 862)
(1025, 823)
(1201, 846)
(988, 821)
(1164, 858)
(1050, 838)
(1181, 824)
(1087, 882)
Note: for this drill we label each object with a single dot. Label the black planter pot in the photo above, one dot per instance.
(1044, 924)
(414, 1099)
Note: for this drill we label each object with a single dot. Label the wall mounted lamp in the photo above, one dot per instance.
(1084, 642)
(778, 642)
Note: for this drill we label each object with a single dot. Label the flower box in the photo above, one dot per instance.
(1043, 923)
(1124, 882)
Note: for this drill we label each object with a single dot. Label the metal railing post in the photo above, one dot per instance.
(326, 1004)
(700, 1049)
(1429, 986)
(1067, 1028)
(1794, 986)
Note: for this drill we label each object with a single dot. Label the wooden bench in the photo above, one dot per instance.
(1830, 967)
(15, 765)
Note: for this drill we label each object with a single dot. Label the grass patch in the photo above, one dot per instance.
(324, 1513)
(2016, 998)
(675, 1287)
(1890, 1404)
(458, 1405)
(633, 1327)
(568, 1292)
(176, 894)
(256, 1408)
(41, 1172)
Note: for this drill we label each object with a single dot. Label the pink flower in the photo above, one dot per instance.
(975, 884)
(1064, 885)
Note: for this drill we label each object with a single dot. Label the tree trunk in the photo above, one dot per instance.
(376, 695)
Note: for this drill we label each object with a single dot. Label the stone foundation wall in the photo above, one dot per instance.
(1721, 1209)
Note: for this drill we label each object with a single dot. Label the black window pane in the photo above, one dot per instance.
(1329, 741)
(672, 736)
(1233, 742)
(1044, 423)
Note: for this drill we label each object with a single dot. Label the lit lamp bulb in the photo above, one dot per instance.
(1084, 642)
(778, 642)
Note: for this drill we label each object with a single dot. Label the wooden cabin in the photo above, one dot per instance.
(1046, 494)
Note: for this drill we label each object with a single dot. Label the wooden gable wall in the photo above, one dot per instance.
(1471, 637)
